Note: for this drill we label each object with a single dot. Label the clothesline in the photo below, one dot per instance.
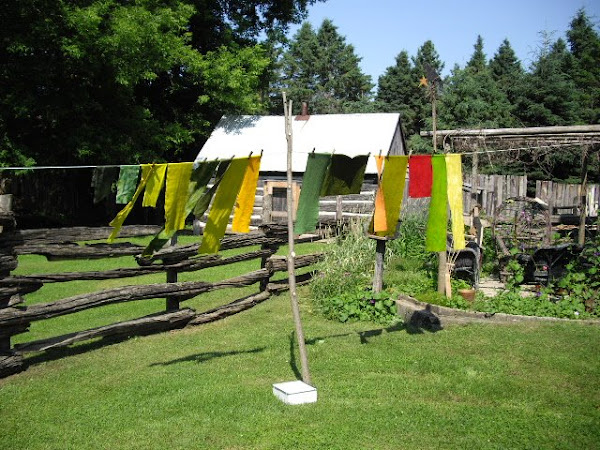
(91, 166)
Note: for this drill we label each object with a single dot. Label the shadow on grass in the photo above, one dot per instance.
(62, 352)
(417, 326)
(207, 356)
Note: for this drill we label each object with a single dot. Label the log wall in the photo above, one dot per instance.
(16, 318)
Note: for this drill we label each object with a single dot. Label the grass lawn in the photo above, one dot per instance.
(478, 386)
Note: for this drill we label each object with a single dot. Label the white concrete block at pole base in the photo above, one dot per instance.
(295, 392)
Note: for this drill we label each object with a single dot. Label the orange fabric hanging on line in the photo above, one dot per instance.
(394, 179)
(380, 223)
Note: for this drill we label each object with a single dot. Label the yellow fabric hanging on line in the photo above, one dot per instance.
(394, 180)
(176, 193)
(455, 199)
(380, 219)
(117, 222)
(154, 185)
(218, 217)
(245, 200)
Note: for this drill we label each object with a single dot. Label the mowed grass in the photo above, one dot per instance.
(477, 386)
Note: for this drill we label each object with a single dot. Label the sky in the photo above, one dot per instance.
(380, 29)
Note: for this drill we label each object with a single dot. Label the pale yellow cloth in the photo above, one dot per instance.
(245, 199)
(455, 199)
(176, 194)
(117, 222)
(155, 184)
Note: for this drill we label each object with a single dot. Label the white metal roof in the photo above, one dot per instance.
(348, 134)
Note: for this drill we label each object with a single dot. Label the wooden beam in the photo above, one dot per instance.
(185, 290)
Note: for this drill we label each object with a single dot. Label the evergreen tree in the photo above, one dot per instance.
(324, 70)
(426, 54)
(549, 95)
(507, 72)
(478, 62)
(472, 98)
(584, 43)
(398, 91)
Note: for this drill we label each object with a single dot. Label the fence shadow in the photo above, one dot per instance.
(207, 356)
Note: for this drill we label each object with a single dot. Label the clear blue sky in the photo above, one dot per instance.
(380, 29)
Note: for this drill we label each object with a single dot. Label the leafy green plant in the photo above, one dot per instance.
(516, 272)
(360, 304)
(581, 282)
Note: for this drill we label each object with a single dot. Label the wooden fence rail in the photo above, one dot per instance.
(16, 319)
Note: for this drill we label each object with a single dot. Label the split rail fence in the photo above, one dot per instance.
(56, 244)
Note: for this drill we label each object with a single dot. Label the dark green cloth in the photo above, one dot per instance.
(127, 184)
(345, 175)
(103, 179)
(307, 214)
(437, 223)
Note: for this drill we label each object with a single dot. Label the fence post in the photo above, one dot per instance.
(172, 303)
(10, 362)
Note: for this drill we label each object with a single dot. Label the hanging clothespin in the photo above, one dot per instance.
(261, 152)
(250, 155)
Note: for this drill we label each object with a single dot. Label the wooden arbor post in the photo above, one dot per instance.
(443, 276)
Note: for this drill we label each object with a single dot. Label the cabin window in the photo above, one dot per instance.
(275, 202)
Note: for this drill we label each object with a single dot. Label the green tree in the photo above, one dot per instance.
(584, 43)
(398, 91)
(426, 55)
(113, 81)
(478, 61)
(549, 94)
(324, 70)
(507, 72)
(472, 98)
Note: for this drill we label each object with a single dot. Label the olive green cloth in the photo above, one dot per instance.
(307, 214)
(435, 238)
(128, 178)
(392, 184)
(345, 175)
(197, 190)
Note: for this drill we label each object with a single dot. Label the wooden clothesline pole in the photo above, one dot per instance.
(287, 110)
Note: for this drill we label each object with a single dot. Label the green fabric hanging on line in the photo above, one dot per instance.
(117, 222)
(128, 178)
(345, 175)
(307, 214)
(103, 179)
(435, 238)
(393, 182)
(218, 217)
(154, 185)
(455, 199)
(197, 189)
(176, 193)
